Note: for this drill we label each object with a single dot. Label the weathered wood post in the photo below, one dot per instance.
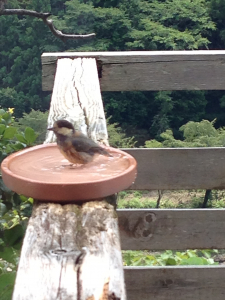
(72, 251)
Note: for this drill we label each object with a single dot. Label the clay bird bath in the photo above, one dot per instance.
(43, 173)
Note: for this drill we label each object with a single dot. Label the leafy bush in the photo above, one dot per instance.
(136, 203)
(195, 134)
(36, 120)
(169, 258)
(117, 138)
(14, 209)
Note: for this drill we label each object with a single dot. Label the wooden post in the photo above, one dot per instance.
(77, 98)
(73, 251)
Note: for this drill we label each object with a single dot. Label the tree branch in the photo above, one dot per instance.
(49, 23)
(24, 12)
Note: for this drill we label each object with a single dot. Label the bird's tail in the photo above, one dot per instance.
(105, 152)
(102, 151)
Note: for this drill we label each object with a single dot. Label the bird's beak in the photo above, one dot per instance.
(52, 128)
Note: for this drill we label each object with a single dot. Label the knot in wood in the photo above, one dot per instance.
(142, 227)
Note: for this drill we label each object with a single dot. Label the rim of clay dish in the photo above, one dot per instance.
(64, 191)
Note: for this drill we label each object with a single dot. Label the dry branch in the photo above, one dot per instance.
(49, 23)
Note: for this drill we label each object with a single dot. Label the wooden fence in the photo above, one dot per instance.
(192, 168)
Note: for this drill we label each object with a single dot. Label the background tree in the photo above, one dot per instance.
(119, 25)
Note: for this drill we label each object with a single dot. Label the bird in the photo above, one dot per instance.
(74, 145)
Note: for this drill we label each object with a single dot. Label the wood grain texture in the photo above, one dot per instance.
(71, 252)
(179, 168)
(175, 283)
(149, 70)
(174, 229)
(77, 98)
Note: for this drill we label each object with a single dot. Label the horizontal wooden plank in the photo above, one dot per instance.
(174, 229)
(180, 168)
(148, 70)
(175, 283)
(134, 56)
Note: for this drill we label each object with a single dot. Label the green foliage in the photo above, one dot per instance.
(28, 137)
(22, 41)
(136, 203)
(132, 199)
(169, 258)
(142, 25)
(145, 25)
(37, 120)
(172, 24)
(173, 199)
(117, 138)
(9, 97)
(217, 13)
(129, 108)
(119, 25)
(6, 285)
(9, 138)
(14, 209)
(195, 134)
(156, 111)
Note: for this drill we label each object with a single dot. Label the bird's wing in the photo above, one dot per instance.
(83, 144)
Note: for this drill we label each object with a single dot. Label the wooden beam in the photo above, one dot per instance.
(179, 168)
(180, 282)
(173, 229)
(77, 98)
(149, 70)
(70, 252)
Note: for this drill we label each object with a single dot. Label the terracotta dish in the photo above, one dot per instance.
(43, 173)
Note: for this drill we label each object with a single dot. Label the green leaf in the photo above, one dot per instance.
(150, 257)
(199, 261)
(13, 235)
(3, 209)
(4, 188)
(2, 111)
(16, 199)
(30, 135)
(210, 261)
(7, 117)
(21, 138)
(171, 262)
(9, 254)
(18, 245)
(191, 253)
(2, 128)
(208, 253)
(9, 132)
(31, 200)
(23, 198)
(18, 146)
(7, 281)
